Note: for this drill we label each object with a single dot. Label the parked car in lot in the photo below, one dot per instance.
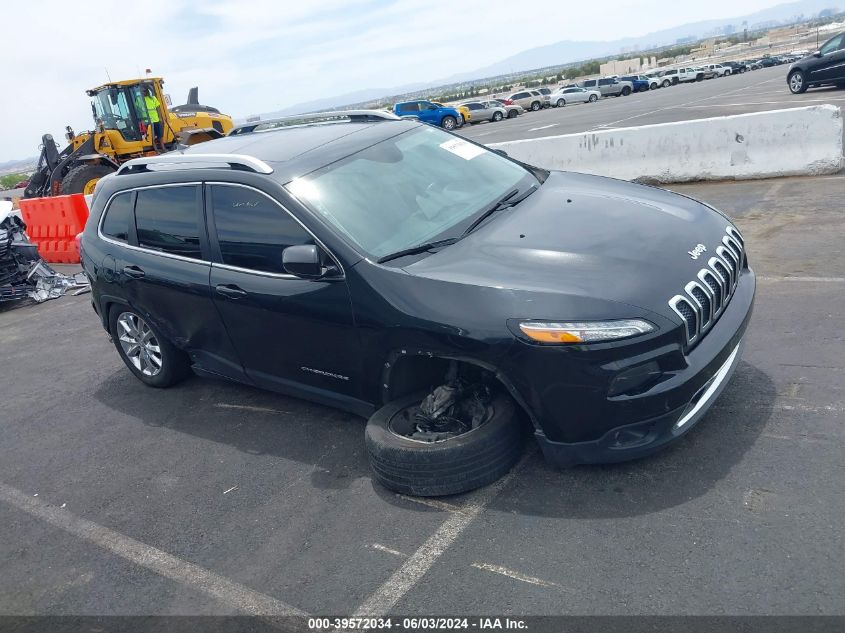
(462, 110)
(429, 112)
(513, 109)
(609, 87)
(573, 94)
(737, 67)
(485, 111)
(707, 72)
(444, 291)
(716, 70)
(823, 68)
(640, 83)
(530, 99)
(675, 76)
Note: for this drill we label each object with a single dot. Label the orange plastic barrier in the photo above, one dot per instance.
(53, 224)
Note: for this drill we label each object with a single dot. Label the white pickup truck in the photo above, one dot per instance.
(681, 75)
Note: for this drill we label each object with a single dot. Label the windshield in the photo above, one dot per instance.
(111, 108)
(413, 188)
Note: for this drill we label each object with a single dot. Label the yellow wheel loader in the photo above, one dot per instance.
(132, 118)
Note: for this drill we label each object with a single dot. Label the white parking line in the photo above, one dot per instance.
(404, 578)
(681, 105)
(795, 104)
(542, 127)
(384, 548)
(246, 407)
(504, 571)
(433, 503)
(164, 564)
(821, 280)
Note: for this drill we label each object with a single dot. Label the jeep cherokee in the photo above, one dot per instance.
(447, 292)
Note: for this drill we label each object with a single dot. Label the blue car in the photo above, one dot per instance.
(640, 82)
(428, 112)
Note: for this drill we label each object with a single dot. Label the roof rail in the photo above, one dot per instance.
(174, 161)
(345, 116)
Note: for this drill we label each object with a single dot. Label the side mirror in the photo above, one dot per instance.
(432, 107)
(501, 152)
(303, 260)
(817, 54)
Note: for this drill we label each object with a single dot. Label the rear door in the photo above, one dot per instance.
(164, 270)
(291, 334)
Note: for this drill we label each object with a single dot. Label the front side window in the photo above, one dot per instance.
(116, 220)
(832, 45)
(252, 229)
(110, 107)
(167, 220)
(418, 186)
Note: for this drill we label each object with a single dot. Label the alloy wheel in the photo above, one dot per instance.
(139, 344)
(796, 82)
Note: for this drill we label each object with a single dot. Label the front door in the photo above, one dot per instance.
(293, 335)
(831, 66)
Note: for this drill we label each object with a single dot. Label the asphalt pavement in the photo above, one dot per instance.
(215, 498)
(753, 91)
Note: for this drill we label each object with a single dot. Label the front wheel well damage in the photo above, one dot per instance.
(413, 371)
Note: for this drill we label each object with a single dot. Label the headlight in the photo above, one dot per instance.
(584, 331)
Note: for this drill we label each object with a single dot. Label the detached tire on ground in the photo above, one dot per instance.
(452, 466)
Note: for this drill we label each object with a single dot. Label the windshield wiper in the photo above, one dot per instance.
(420, 248)
(501, 203)
(504, 202)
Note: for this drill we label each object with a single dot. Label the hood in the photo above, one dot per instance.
(589, 237)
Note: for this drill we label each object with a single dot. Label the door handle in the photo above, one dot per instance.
(133, 271)
(231, 291)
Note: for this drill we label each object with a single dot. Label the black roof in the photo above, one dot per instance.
(293, 151)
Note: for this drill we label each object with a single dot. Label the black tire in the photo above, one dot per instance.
(512, 114)
(175, 366)
(593, 98)
(535, 106)
(456, 465)
(626, 91)
(81, 179)
(448, 122)
(497, 116)
(797, 82)
(666, 83)
(560, 103)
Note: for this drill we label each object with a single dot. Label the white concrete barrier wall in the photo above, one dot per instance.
(794, 142)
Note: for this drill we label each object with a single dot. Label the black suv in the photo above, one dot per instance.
(449, 293)
(824, 67)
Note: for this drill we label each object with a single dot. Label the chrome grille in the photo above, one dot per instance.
(705, 298)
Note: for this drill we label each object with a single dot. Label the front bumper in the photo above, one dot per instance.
(709, 368)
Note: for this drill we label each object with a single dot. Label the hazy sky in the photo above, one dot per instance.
(257, 56)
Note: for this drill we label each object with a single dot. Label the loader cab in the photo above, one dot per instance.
(120, 106)
(117, 108)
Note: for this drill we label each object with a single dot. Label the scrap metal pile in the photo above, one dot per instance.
(22, 271)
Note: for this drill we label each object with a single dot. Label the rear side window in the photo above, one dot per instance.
(252, 230)
(166, 220)
(592, 82)
(409, 107)
(520, 95)
(116, 220)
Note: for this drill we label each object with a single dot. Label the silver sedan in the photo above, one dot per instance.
(573, 94)
(485, 111)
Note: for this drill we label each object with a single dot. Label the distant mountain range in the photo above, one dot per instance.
(568, 51)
